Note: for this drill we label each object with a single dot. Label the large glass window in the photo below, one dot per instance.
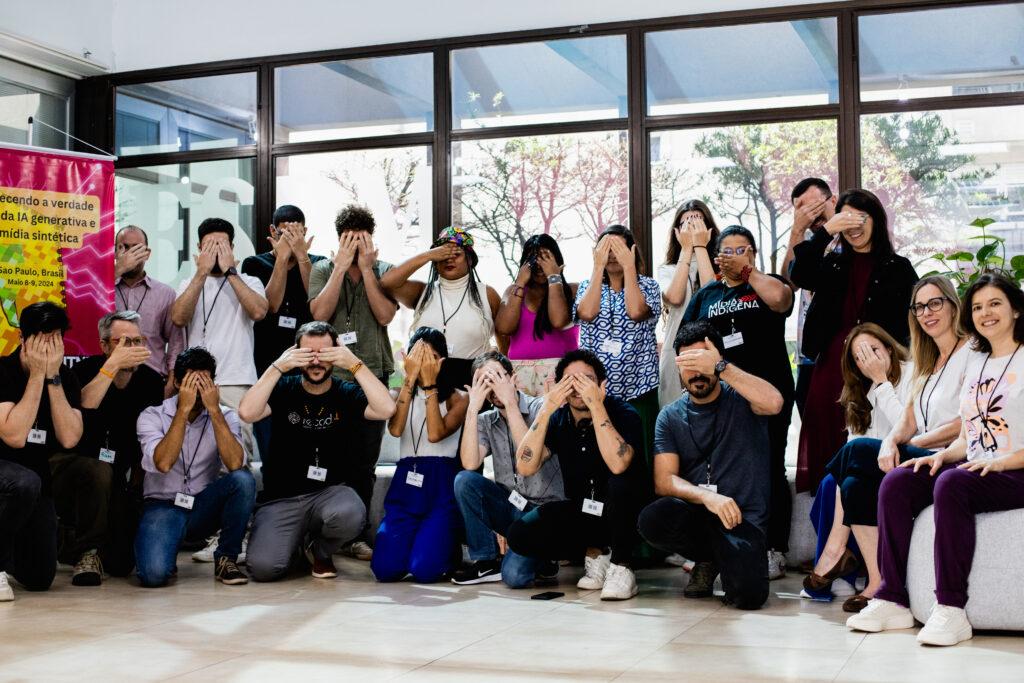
(577, 79)
(937, 171)
(18, 103)
(354, 98)
(569, 186)
(186, 114)
(170, 201)
(751, 66)
(942, 52)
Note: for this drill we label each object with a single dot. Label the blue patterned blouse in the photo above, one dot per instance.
(627, 348)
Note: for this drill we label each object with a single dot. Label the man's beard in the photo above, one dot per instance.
(305, 374)
(701, 393)
(135, 272)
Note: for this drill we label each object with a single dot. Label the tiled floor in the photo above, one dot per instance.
(355, 629)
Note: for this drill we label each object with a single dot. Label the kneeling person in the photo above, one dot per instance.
(490, 507)
(711, 464)
(186, 441)
(315, 417)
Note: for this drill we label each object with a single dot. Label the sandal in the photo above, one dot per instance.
(817, 582)
(856, 603)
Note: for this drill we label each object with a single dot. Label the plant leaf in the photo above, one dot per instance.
(1017, 262)
(994, 238)
(986, 251)
(982, 222)
(961, 256)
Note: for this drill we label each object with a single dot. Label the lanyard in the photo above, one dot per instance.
(416, 440)
(350, 303)
(124, 299)
(187, 468)
(207, 316)
(446, 318)
(983, 414)
(512, 453)
(705, 453)
(924, 405)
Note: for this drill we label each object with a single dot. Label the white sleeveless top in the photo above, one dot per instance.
(940, 395)
(414, 442)
(469, 329)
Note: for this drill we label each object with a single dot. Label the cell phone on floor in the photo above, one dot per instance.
(549, 595)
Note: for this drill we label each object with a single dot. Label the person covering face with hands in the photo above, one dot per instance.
(307, 503)
(186, 441)
(491, 507)
(597, 441)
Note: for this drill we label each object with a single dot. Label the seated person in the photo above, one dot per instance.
(39, 400)
(420, 529)
(98, 486)
(490, 507)
(712, 469)
(597, 440)
(306, 503)
(186, 441)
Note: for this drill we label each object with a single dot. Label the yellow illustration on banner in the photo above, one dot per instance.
(34, 226)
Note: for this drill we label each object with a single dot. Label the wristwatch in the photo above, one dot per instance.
(720, 367)
(231, 271)
(55, 380)
(554, 279)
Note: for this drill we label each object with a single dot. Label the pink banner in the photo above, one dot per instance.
(56, 241)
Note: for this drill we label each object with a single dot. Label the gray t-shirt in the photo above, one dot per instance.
(493, 433)
(731, 437)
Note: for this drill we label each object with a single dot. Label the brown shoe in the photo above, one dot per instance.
(856, 603)
(819, 582)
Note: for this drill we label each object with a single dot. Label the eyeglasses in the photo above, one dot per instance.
(932, 305)
(128, 341)
(738, 251)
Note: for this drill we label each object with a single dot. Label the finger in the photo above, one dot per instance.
(936, 466)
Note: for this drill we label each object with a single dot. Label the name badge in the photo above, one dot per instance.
(414, 479)
(709, 487)
(285, 321)
(517, 500)
(593, 507)
(611, 346)
(107, 455)
(37, 436)
(731, 340)
(183, 500)
(348, 338)
(316, 473)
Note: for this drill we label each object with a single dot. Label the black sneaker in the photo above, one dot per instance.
(88, 570)
(547, 574)
(702, 580)
(229, 574)
(482, 571)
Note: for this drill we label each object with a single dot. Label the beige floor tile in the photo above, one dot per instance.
(702, 662)
(752, 629)
(929, 664)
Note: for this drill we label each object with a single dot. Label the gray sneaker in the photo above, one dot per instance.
(88, 570)
(702, 580)
(6, 593)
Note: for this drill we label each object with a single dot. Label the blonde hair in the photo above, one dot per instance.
(923, 349)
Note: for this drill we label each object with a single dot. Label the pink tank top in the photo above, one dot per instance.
(555, 344)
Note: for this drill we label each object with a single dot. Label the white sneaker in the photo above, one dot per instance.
(881, 615)
(946, 626)
(776, 565)
(676, 559)
(206, 554)
(6, 593)
(245, 548)
(619, 584)
(595, 569)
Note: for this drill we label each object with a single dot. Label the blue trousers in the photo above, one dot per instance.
(485, 510)
(420, 530)
(225, 504)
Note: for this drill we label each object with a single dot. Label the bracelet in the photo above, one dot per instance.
(106, 374)
(305, 260)
(427, 395)
(432, 386)
(356, 368)
(701, 246)
(555, 279)
(274, 365)
(745, 273)
(518, 291)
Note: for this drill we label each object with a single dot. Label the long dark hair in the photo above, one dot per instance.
(436, 340)
(1014, 296)
(854, 396)
(881, 241)
(542, 322)
(626, 234)
(674, 250)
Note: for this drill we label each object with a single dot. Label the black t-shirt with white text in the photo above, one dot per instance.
(308, 429)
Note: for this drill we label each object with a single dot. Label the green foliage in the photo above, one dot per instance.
(963, 267)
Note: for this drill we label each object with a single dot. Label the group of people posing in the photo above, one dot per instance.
(606, 447)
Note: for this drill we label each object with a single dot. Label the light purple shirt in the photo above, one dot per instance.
(152, 300)
(199, 454)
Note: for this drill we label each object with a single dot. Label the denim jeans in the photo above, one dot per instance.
(485, 510)
(225, 504)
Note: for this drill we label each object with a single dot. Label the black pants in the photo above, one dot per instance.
(562, 531)
(28, 528)
(780, 511)
(803, 384)
(676, 526)
(363, 473)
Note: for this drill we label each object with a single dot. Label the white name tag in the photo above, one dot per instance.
(107, 455)
(710, 487)
(183, 500)
(414, 479)
(285, 321)
(316, 473)
(37, 436)
(593, 507)
(611, 346)
(348, 338)
(517, 500)
(731, 340)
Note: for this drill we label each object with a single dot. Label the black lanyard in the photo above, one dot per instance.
(350, 302)
(207, 316)
(416, 440)
(925, 405)
(128, 306)
(705, 453)
(187, 468)
(446, 318)
(983, 414)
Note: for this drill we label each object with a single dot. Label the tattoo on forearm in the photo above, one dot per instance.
(527, 455)
(606, 423)
(623, 449)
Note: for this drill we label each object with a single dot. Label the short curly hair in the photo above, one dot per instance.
(354, 217)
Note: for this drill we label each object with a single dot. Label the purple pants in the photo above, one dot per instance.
(958, 496)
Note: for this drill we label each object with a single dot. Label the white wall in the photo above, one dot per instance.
(72, 26)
